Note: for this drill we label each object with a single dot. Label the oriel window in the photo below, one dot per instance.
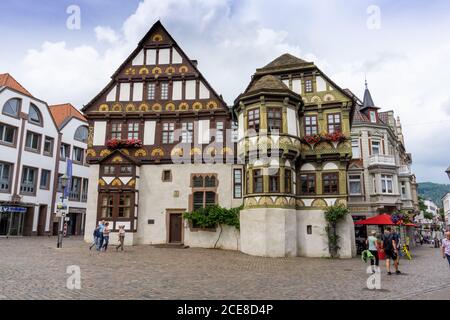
(274, 181)
(287, 180)
(257, 181)
(253, 120)
(308, 183)
(330, 183)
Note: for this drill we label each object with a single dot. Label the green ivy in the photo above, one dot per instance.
(333, 215)
(212, 216)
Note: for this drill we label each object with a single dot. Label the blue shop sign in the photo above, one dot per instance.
(12, 209)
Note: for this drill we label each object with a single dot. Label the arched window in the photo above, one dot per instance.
(81, 134)
(34, 115)
(12, 107)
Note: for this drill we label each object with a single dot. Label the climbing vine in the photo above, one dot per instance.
(213, 216)
(333, 215)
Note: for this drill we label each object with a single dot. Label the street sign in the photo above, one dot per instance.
(9, 209)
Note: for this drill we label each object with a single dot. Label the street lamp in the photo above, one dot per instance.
(448, 172)
(64, 182)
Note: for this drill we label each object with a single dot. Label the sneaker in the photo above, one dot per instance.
(389, 273)
(397, 272)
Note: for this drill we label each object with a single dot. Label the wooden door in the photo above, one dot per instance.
(42, 220)
(175, 228)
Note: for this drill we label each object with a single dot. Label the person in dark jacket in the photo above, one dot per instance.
(390, 250)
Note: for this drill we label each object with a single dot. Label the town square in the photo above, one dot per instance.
(215, 150)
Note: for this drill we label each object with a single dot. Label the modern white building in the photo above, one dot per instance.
(74, 130)
(29, 140)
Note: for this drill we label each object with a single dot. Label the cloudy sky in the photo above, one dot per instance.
(402, 46)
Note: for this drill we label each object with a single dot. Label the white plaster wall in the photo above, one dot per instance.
(155, 196)
(268, 232)
(91, 206)
(229, 239)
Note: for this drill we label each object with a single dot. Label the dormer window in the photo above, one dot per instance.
(34, 115)
(373, 116)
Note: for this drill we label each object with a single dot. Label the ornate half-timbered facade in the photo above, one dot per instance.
(294, 134)
(159, 145)
(163, 142)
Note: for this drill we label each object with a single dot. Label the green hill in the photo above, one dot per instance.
(433, 191)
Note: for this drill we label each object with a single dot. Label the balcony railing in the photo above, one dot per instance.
(384, 160)
(84, 197)
(74, 196)
(4, 185)
(404, 170)
(27, 187)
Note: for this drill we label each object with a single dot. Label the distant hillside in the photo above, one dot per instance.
(433, 191)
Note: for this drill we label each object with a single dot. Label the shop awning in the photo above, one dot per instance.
(380, 220)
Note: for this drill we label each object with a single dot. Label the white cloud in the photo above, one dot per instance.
(106, 34)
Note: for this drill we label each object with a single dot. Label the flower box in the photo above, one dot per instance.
(120, 143)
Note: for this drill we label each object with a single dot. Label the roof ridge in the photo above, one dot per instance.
(7, 80)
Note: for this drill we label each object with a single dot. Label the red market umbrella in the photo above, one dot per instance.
(380, 220)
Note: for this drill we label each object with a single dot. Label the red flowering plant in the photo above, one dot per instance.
(334, 137)
(312, 139)
(119, 143)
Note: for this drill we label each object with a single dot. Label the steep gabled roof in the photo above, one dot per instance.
(284, 61)
(62, 113)
(157, 25)
(268, 82)
(6, 80)
(368, 101)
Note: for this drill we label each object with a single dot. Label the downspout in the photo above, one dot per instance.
(55, 181)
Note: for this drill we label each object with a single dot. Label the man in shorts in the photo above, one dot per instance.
(390, 250)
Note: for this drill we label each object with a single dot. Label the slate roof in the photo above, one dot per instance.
(284, 61)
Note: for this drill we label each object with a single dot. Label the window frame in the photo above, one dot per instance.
(274, 181)
(164, 178)
(255, 122)
(309, 86)
(378, 143)
(34, 107)
(52, 146)
(255, 180)
(71, 189)
(35, 176)
(352, 178)
(273, 111)
(310, 125)
(164, 93)
(76, 161)
(136, 133)
(39, 143)
(116, 130)
(237, 183)
(385, 179)
(288, 186)
(19, 108)
(220, 137)
(310, 177)
(203, 189)
(326, 177)
(47, 186)
(187, 133)
(6, 126)
(151, 91)
(10, 176)
(80, 139)
(335, 126)
(357, 142)
(67, 151)
(168, 134)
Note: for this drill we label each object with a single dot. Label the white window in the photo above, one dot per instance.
(355, 149)
(204, 92)
(151, 57)
(138, 89)
(164, 91)
(124, 92)
(354, 184)
(297, 86)
(321, 84)
(191, 89)
(376, 147)
(112, 95)
(151, 91)
(219, 131)
(139, 59)
(177, 90)
(373, 116)
(176, 57)
(387, 184)
(187, 132)
(164, 56)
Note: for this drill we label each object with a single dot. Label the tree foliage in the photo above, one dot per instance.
(333, 215)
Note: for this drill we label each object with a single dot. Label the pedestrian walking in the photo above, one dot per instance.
(446, 247)
(96, 237)
(100, 240)
(390, 250)
(121, 238)
(372, 245)
(106, 232)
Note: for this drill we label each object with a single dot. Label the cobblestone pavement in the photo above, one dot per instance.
(32, 268)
